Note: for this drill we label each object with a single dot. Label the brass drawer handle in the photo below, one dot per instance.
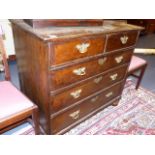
(102, 61)
(82, 48)
(80, 71)
(94, 99)
(114, 77)
(124, 39)
(76, 94)
(119, 59)
(109, 94)
(97, 80)
(75, 115)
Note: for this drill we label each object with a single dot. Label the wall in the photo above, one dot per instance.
(8, 37)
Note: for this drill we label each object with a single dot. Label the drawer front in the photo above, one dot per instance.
(69, 75)
(121, 40)
(65, 119)
(78, 48)
(87, 88)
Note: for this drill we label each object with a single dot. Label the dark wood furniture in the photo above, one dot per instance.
(15, 108)
(73, 72)
(40, 23)
(137, 64)
(148, 24)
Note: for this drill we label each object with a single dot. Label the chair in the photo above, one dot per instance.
(15, 108)
(137, 64)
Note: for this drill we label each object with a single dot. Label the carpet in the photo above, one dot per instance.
(135, 115)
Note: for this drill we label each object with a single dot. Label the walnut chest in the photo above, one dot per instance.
(71, 73)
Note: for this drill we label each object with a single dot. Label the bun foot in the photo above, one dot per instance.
(115, 103)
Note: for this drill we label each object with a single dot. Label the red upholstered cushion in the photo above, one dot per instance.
(12, 100)
(136, 63)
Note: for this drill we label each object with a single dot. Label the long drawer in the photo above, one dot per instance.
(65, 119)
(63, 52)
(69, 75)
(72, 95)
(121, 40)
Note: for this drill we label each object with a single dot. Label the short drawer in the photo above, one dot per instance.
(87, 88)
(65, 119)
(78, 48)
(121, 40)
(69, 75)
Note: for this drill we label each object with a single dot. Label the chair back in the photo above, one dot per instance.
(4, 67)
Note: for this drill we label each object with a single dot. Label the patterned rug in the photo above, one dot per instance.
(135, 115)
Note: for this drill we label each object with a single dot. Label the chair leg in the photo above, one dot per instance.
(35, 117)
(140, 76)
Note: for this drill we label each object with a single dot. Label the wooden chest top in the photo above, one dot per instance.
(59, 33)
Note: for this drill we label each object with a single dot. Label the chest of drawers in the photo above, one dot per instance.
(71, 73)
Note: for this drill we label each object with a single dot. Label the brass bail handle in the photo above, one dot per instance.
(76, 94)
(82, 48)
(75, 115)
(119, 59)
(101, 61)
(114, 77)
(80, 71)
(124, 39)
(98, 79)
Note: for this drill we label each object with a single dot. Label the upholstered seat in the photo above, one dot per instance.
(137, 64)
(15, 108)
(12, 100)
